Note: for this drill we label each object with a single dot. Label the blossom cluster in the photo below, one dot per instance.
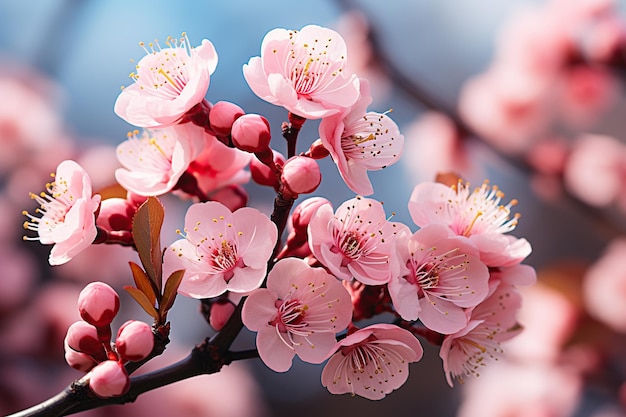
(451, 280)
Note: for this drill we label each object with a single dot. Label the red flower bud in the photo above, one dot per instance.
(301, 175)
(83, 337)
(98, 304)
(222, 116)
(134, 340)
(220, 312)
(251, 133)
(264, 175)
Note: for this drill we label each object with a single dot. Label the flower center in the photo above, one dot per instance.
(54, 204)
(224, 257)
(427, 276)
(351, 245)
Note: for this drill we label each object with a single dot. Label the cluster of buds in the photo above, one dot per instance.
(88, 344)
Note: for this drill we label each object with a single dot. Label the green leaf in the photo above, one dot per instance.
(147, 224)
(169, 293)
(142, 300)
(143, 283)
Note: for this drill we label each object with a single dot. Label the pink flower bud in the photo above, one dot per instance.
(304, 211)
(301, 175)
(220, 312)
(98, 304)
(222, 116)
(134, 340)
(251, 133)
(78, 360)
(109, 379)
(317, 150)
(233, 196)
(264, 175)
(83, 337)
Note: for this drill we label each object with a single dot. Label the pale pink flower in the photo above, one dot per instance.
(155, 160)
(298, 313)
(68, 213)
(475, 214)
(493, 321)
(221, 250)
(372, 362)
(441, 276)
(303, 71)
(357, 241)
(168, 83)
(603, 287)
(361, 141)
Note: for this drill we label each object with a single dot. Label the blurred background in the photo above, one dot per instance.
(527, 94)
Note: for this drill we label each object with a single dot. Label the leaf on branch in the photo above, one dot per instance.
(142, 300)
(147, 224)
(144, 284)
(169, 293)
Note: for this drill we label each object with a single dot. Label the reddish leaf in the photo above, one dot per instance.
(147, 224)
(143, 283)
(169, 293)
(142, 300)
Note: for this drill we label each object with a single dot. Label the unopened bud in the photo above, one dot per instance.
(264, 175)
(223, 115)
(220, 313)
(79, 360)
(317, 150)
(109, 379)
(251, 133)
(301, 175)
(83, 337)
(134, 340)
(233, 196)
(98, 304)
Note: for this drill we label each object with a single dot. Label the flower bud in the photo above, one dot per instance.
(116, 218)
(264, 175)
(78, 360)
(109, 379)
(134, 340)
(233, 196)
(223, 115)
(220, 312)
(317, 150)
(83, 337)
(304, 211)
(301, 175)
(251, 133)
(98, 304)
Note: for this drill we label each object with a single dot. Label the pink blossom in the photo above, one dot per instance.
(221, 250)
(361, 141)
(603, 287)
(134, 340)
(442, 275)
(475, 214)
(98, 304)
(357, 241)
(68, 220)
(372, 362)
(490, 323)
(222, 116)
(303, 71)
(298, 313)
(168, 83)
(155, 160)
(109, 379)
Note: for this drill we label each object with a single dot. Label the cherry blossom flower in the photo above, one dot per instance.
(155, 160)
(298, 313)
(372, 362)
(490, 323)
(442, 275)
(357, 241)
(303, 71)
(221, 250)
(475, 214)
(68, 220)
(361, 141)
(168, 83)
